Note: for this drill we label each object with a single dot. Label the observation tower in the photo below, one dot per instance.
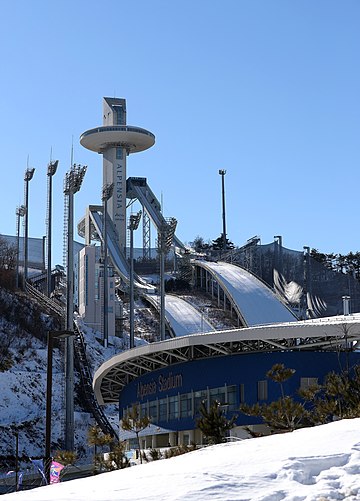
(115, 140)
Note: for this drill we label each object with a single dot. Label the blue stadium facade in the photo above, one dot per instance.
(169, 380)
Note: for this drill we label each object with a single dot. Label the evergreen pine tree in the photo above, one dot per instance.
(284, 414)
(134, 422)
(97, 438)
(214, 423)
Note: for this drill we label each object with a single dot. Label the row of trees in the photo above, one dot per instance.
(342, 263)
(200, 245)
(8, 259)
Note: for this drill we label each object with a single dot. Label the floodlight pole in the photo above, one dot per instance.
(29, 173)
(16, 461)
(162, 284)
(133, 225)
(107, 192)
(52, 166)
(278, 252)
(222, 174)
(307, 280)
(50, 344)
(20, 212)
(166, 236)
(72, 185)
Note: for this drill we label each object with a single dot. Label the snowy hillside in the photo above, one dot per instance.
(23, 351)
(23, 386)
(312, 464)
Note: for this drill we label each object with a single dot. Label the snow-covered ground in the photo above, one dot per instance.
(256, 301)
(313, 464)
(23, 385)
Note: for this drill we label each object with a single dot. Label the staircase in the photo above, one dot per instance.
(81, 362)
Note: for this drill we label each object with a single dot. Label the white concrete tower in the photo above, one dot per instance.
(115, 140)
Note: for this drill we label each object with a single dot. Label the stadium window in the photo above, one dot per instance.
(242, 393)
(174, 407)
(153, 410)
(218, 395)
(199, 396)
(307, 382)
(262, 390)
(185, 405)
(163, 409)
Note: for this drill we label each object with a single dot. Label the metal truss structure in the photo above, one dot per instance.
(340, 333)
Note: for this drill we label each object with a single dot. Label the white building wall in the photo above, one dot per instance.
(91, 291)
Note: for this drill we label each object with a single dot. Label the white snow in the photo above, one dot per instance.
(313, 464)
(183, 317)
(256, 301)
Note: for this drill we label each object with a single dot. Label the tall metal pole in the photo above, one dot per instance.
(278, 253)
(16, 461)
(27, 178)
(20, 212)
(132, 334)
(133, 225)
(307, 283)
(162, 286)
(166, 236)
(73, 182)
(222, 174)
(49, 372)
(48, 406)
(106, 195)
(50, 173)
(69, 344)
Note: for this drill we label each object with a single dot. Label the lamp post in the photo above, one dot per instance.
(29, 173)
(307, 281)
(346, 302)
(16, 460)
(52, 166)
(50, 344)
(107, 192)
(20, 212)
(72, 184)
(278, 252)
(166, 236)
(222, 174)
(133, 225)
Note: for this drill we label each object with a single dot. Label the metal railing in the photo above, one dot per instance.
(81, 362)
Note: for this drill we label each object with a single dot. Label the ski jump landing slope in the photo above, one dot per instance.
(182, 318)
(254, 301)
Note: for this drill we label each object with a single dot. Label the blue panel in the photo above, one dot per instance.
(230, 370)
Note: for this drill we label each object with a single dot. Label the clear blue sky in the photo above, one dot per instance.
(266, 89)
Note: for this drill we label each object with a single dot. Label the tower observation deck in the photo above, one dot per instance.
(115, 140)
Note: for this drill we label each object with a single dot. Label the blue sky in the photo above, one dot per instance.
(266, 89)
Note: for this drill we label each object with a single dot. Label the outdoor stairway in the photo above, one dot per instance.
(81, 361)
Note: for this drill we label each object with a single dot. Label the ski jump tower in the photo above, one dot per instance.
(115, 141)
